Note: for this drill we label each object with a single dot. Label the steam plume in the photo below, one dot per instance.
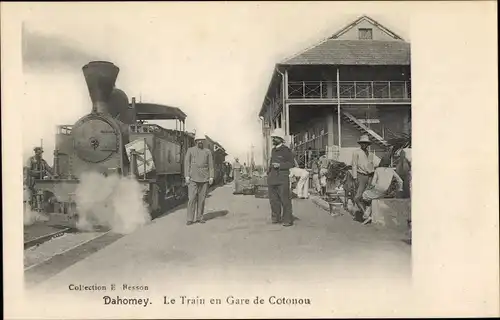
(51, 52)
(113, 202)
(30, 216)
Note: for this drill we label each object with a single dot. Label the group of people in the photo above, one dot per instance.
(239, 171)
(372, 182)
(318, 167)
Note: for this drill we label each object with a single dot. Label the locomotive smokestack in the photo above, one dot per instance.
(100, 77)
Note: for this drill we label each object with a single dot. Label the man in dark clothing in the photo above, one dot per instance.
(278, 180)
(36, 168)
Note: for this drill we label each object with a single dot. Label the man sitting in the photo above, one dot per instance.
(385, 184)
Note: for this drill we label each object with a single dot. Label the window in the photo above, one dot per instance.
(365, 34)
(169, 156)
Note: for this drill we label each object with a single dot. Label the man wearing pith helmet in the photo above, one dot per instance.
(199, 173)
(362, 168)
(282, 160)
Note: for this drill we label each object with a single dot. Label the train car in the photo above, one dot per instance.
(114, 139)
(219, 154)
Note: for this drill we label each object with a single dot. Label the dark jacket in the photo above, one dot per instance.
(284, 156)
(36, 168)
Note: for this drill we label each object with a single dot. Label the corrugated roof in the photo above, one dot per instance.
(354, 52)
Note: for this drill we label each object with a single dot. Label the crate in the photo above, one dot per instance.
(261, 192)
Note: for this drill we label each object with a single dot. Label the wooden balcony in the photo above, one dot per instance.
(351, 92)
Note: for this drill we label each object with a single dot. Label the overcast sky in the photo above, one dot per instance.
(212, 60)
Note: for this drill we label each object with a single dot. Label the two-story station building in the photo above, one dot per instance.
(357, 81)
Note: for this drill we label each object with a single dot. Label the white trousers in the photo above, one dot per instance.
(315, 182)
(303, 186)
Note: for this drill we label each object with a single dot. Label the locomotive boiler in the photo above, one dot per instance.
(114, 139)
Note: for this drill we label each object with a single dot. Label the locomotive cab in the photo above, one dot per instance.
(167, 148)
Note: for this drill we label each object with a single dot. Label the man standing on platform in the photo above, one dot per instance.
(237, 176)
(199, 173)
(278, 180)
(362, 168)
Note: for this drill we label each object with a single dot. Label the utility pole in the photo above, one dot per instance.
(252, 161)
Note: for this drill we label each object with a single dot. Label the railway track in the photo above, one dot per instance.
(30, 243)
(49, 249)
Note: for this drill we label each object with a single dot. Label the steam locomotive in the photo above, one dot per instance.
(114, 139)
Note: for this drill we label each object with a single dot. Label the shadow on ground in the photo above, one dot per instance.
(179, 204)
(215, 214)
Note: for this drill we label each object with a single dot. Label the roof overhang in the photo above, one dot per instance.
(153, 111)
(275, 74)
(353, 53)
(219, 147)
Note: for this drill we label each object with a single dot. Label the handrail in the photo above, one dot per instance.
(154, 128)
(349, 89)
(310, 140)
(365, 128)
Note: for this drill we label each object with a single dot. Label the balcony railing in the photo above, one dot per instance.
(379, 90)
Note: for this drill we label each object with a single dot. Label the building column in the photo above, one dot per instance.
(407, 122)
(330, 127)
(264, 142)
(286, 108)
(283, 119)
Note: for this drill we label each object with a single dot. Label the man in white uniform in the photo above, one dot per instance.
(303, 184)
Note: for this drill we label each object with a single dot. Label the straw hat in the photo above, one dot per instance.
(364, 139)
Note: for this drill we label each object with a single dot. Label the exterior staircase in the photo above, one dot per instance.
(364, 129)
(300, 157)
